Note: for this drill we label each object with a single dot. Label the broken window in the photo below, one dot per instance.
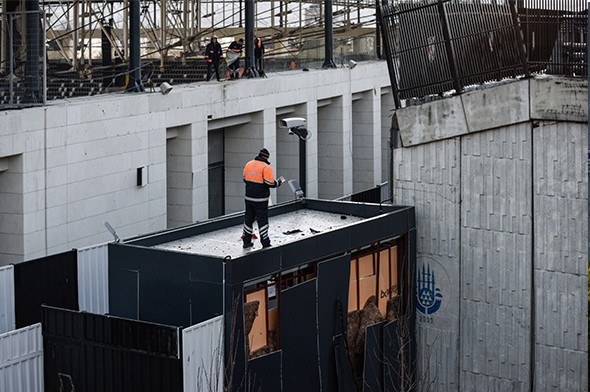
(261, 317)
(261, 308)
(373, 272)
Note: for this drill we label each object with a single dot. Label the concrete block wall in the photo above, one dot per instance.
(428, 177)
(514, 280)
(80, 156)
(496, 262)
(560, 251)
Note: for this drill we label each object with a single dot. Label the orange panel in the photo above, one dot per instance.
(366, 267)
(257, 336)
(353, 277)
(352, 297)
(368, 286)
(394, 266)
(384, 286)
(273, 319)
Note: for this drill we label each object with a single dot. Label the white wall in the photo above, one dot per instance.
(79, 157)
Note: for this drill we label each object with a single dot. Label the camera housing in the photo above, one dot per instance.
(293, 122)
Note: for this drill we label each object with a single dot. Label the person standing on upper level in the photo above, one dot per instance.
(213, 54)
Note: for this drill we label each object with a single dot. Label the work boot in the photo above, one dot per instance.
(248, 244)
(267, 245)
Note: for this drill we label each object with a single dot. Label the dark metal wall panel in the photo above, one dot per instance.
(171, 288)
(95, 353)
(235, 344)
(257, 264)
(374, 363)
(391, 349)
(332, 286)
(298, 338)
(51, 280)
(264, 373)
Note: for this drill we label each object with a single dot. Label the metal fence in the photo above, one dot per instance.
(22, 59)
(21, 360)
(202, 356)
(555, 34)
(435, 46)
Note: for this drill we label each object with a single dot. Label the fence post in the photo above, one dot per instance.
(44, 46)
(519, 38)
(449, 46)
(10, 57)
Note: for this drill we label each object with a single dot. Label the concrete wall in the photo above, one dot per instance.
(69, 166)
(499, 181)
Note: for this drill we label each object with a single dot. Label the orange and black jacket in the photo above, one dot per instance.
(259, 178)
(213, 52)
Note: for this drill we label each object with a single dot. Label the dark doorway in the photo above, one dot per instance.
(216, 148)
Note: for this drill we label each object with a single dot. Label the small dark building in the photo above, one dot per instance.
(328, 307)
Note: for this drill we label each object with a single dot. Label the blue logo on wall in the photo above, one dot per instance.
(428, 295)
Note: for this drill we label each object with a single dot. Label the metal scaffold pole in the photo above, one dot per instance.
(135, 84)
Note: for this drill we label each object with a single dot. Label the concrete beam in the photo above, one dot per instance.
(542, 98)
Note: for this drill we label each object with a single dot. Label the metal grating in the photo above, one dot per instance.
(437, 46)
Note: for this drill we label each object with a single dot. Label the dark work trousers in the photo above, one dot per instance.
(256, 211)
(216, 65)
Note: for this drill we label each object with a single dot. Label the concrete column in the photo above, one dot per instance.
(311, 114)
(179, 175)
(242, 144)
(387, 106)
(200, 169)
(496, 259)
(366, 140)
(334, 147)
(11, 210)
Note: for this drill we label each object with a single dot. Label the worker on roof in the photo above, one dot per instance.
(213, 54)
(259, 178)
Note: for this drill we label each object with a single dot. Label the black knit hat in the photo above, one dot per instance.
(264, 153)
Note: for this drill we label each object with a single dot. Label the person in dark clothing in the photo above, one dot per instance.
(213, 54)
(234, 67)
(259, 178)
(259, 55)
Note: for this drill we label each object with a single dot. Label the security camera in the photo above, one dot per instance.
(165, 88)
(292, 122)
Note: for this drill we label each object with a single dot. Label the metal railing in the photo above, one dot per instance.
(22, 59)
(436, 46)
(555, 34)
(377, 194)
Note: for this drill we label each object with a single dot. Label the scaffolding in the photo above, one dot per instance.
(81, 32)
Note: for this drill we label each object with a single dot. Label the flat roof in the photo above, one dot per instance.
(283, 229)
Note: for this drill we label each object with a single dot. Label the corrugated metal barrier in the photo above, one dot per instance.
(21, 360)
(93, 279)
(96, 353)
(202, 356)
(7, 317)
